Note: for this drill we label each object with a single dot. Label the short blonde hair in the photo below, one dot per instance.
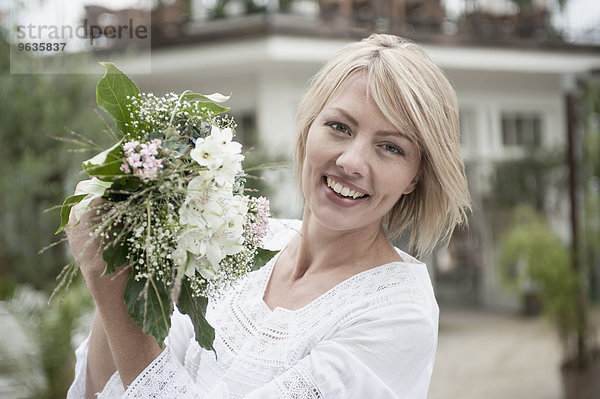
(416, 97)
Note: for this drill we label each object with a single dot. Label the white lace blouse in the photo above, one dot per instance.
(373, 335)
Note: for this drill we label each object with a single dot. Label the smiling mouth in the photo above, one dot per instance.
(342, 190)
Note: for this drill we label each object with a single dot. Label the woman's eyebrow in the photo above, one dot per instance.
(393, 133)
(380, 133)
(346, 115)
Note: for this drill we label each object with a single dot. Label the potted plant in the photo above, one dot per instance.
(530, 251)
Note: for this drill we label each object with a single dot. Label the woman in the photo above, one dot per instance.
(339, 312)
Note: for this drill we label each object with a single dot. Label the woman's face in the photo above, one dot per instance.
(357, 164)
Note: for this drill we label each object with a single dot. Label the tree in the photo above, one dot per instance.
(36, 171)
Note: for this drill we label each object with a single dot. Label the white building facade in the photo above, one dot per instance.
(509, 99)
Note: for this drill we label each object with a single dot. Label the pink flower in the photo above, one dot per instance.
(260, 226)
(141, 159)
(125, 168)
(130, 146)
(149, 150)
(134, 160)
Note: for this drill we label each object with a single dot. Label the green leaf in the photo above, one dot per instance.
(65, 209)
(195, 307)
(150, 307)
(214, 108)
(107, 163)
(114, 255)
(215, 97)
(111, 95)
(262, 257)
(122, 186)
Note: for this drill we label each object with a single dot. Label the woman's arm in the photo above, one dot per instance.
(114, 331)
(100, 362)
(132, 350)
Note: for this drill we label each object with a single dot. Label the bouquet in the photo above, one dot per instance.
(175, 208)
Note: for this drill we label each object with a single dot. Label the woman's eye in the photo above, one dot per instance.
(393, 149)
(340, 127)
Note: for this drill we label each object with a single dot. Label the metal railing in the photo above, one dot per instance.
(467, 21)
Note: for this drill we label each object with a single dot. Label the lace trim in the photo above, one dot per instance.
(281, 337)
(297, 383)
(163, 378)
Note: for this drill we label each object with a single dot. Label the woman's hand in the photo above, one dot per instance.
(85, 244)
(87, 247)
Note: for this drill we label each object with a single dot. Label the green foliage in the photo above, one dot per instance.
(35, 169)
(196, 308)
(115, 256)
(262, 257)
(45, 369)
(150, 306)
(65, 209)
(111, 95)
(528, 4)
(219, 10)
(545, 262)
(590, 173)
(106, 164)
(527, 180)
(209, 101)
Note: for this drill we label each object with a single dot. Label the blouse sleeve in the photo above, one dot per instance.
(77, 389)
(177, 342)
(385, 353)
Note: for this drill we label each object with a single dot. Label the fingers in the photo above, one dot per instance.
(97, 209)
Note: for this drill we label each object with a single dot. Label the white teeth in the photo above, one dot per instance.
(342, 190)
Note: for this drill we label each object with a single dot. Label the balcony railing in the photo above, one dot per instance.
(467, 21)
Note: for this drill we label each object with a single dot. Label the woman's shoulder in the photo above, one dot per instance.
(419, 281)
(403, 283)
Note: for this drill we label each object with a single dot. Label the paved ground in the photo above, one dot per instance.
(484, 355)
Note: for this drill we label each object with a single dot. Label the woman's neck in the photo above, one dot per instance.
(321, 249)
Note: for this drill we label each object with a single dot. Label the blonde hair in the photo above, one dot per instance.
(416, 97)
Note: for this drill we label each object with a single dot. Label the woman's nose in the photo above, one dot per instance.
(353, 158)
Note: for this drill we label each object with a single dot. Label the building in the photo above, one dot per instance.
(510, 66)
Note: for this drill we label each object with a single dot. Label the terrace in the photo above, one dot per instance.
(495, 23)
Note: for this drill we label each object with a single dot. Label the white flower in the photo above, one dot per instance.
(214, 227)
(219, 154)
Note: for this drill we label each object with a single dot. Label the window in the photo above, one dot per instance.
(521, 129)
(468, 136)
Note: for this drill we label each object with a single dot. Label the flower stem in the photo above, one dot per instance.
(177, 106)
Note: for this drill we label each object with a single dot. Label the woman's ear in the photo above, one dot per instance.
(413, 184)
